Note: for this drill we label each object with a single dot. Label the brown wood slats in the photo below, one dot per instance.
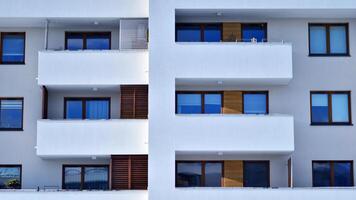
(129, 172)
(134, 101)
(231, 32)
(233, 173)
(232, 102)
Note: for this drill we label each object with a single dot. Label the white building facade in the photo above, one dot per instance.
(177, 99)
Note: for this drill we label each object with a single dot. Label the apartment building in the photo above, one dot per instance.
(177, 99)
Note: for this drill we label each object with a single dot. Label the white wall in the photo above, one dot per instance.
(86, 138)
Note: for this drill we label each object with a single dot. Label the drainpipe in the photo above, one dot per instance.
(46, 34)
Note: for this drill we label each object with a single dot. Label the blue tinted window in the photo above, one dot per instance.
(317, 40)
(100, 42)
(213, 174)
(72, 178)
(189, 33)
(75, 42)
(13, 48)
(212, 103)
(11, 114)
(96, 178)
(97, 109)
(255, 103)
(189, 174)
(10, 177)
(212, 33)
(189, 103)
(256, 174)
(74, 109)
(338, 41)
(257, 31)
(340, 107)
(343, 174)
(320, 108)
(321, 174)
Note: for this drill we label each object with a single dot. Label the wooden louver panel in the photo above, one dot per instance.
(129, 172)
(232, 102)
(233, 173)
(134, 101)
(232, 32)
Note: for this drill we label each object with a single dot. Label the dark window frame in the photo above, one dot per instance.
(267, 162)
(265, 28)
(85, 36)
(82, 174)
(202, 93)
(3, 34)
(14, 166)
(328, 53)
(22, 115)
(330, 122)
(331, 162)
(202, 28)
(84, 100)
(203, 164)
(266, 92)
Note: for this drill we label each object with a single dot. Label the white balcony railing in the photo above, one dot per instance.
(240, 62)
(92, 67)
(234, 133)
(87, 138)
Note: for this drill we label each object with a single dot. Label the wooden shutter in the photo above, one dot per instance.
(233, 173)
(129, 172)
(134, 102)
(231, 32)
(232, 102)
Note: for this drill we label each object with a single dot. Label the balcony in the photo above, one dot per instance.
(91, 138)
(266, 134)
(264, 63)
(92, 67)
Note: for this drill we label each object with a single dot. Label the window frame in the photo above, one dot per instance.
(266, 92)
(265, 28)
(331, 162)
(202, 93)
(327, 29)
(14, 166)
(85, 36)
(203, 164)
(3, 34)
(22, 114)
(330, 122)
(82, 174)
(84, 100)
(202, 29)
(258, 161)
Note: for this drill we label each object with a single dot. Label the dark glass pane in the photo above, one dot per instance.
(255, 103)
(100, 42)
(96, 178)
(72, 178)
(189, 174)
(13, 48)
(75, 42)
(212, 33)
(257, 31)
(10, 178)
(343, 174)
(97, 109)
(320, 108)
(321, 174)
(317, 40)
(213, 174)
(189, 33)
(212, 103)
(10, 114)
(74, 109)
(256, 174)
(189, 103)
